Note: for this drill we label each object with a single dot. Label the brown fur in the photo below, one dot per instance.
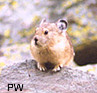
(55, 48)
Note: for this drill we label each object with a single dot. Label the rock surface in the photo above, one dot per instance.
(68, 80)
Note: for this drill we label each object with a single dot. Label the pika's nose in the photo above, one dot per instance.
(35, 39)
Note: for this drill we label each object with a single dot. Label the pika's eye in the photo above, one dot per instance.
(46, 32)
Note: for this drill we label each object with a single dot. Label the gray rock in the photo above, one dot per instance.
(68, 80)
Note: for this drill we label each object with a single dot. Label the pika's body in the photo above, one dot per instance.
(52, 44)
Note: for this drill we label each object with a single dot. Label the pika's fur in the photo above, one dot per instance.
(51, 44)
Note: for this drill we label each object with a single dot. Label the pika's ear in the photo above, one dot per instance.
(43, 20)
(62, 25)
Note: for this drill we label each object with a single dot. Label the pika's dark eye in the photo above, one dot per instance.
(46, 32)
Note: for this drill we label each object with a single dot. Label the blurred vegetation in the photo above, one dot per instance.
(19, 18)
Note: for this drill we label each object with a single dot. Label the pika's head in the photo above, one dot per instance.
(49, 33)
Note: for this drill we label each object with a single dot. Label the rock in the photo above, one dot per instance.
(68, 80)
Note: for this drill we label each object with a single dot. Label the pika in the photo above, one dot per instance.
(51, 44)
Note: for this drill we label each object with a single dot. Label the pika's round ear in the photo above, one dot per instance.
(43, 20)
(62, 25)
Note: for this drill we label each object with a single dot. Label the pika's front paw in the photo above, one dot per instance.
(57, 67)
(41, 67)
